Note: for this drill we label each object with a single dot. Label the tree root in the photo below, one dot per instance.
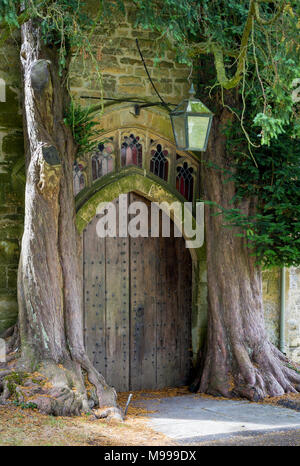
(272, 375)
(56, 389)
(266, 373)
(109, 414)
(65, 389)
(12, 337)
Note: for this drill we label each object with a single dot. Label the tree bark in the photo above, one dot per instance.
(239, 360)
(49, 279)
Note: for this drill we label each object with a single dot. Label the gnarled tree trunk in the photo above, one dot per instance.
(239, 360)
(49, 279)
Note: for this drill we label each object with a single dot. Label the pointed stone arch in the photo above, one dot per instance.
(153, 123)
(143, 142)
(125, 183)
(132, 181)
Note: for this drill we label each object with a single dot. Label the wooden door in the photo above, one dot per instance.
(137, 308)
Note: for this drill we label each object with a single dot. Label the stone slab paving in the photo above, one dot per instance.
(191, 418)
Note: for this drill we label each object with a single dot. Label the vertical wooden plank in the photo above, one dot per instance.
(164, 310)
(94, 295)
(137, 308)
(173, 316)
(143, 309)
(168, 349)
(161, 307)
(173, 312)
(117, 311)
(184, 309)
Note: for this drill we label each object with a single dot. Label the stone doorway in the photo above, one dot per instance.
(137, 308)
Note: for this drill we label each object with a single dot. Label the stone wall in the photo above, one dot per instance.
(123, 73)
(12, 182)
(293, 314)
(271, 299)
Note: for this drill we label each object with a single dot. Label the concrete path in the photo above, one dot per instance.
(190, 418)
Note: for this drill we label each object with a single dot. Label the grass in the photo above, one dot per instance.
(21, 426)
(26, 427)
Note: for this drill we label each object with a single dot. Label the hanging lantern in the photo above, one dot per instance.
(191, 122)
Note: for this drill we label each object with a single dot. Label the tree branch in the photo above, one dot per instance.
(21, 19)
(219, 57)
(219, 52)
(264, 22)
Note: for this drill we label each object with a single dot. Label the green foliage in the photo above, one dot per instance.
(273, 230)
(16, 378)
(273, 53)
(13, 380)
(81, 121)
(262, 143)
(24, 405)
(65, 24)
(175, 20)
(9, 12)
(270, 127)
(111, 9)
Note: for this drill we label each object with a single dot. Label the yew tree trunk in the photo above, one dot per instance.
(49, 279)
(239, 359)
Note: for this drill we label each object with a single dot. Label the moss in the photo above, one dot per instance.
(28, 405)
(12, 275)
(38, 381)
(105, 190)
(13, 144)
(9, 252)
(11, 230)
(8, 309)
(13, 380)
(18, 378)
(9, 115)
(3, 277)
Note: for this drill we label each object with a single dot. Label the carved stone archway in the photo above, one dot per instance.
(151, 129)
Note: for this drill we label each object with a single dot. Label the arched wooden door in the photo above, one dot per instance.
(137, 308)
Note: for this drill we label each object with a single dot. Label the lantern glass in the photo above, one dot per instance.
(196, 106)
(191, 121)
(197, 128)
(179, 130)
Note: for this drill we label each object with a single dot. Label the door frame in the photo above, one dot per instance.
(136, 180)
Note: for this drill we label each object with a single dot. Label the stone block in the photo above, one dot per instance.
(10, 116)
(8, 312)
(9, 251)
(12, 274)
(112, 70)
(130, 80)
(162, 87)
(3, 277)
(13, 143)
(130, 61)
(132, 90)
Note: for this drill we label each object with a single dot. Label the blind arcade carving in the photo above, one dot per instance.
(141, 149)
